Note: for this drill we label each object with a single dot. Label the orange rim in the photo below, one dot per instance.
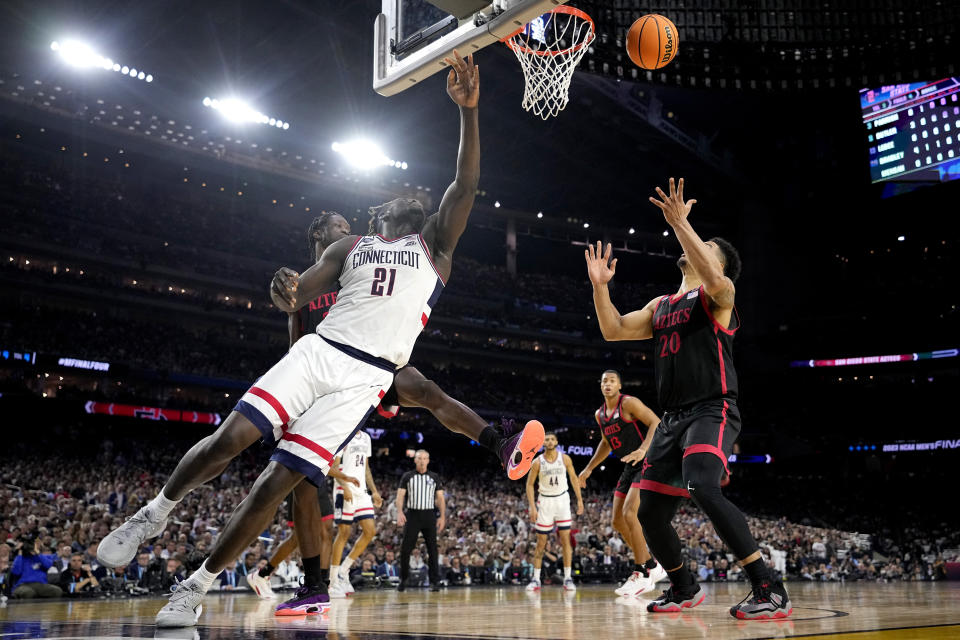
(572, 11)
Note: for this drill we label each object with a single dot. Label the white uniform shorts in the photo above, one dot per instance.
(553, 511)
(360, 507)
(314, 400)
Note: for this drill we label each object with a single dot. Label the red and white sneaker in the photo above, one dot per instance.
(673, 599)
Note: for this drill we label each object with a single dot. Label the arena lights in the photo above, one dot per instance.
(236, 110)
(902, 357)
(81, 55)
(364, 154)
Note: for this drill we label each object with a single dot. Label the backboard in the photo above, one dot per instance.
(412, 37)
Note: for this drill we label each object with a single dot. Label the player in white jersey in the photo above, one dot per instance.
(350, 505)
(322, 391)
(552, 508)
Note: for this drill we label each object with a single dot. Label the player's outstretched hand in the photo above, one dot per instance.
(675, 210)
(533, 515)
(635, 456)
(583, 478)
(600, 267)
(401, 519)
(441, 523)
(347, 494)
(283, 289)
(463, 81)
(580, 507)
(377, 500)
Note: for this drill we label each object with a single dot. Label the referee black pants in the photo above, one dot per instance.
(420, 521)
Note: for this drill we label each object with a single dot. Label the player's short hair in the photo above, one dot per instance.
(613, 371)
(732, 263)
(374, 226)
(550, 433)
(315, 227)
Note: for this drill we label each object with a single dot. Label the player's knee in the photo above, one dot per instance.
(701, 475)
(431, 396)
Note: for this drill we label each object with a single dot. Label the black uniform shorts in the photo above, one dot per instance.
(711, 427)
(631, 475)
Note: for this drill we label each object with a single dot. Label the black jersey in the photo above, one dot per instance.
(693, 354)
(313, 313)
(624, 437)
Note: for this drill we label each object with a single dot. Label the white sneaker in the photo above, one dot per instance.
(184, 607)
(637, 584)
(346, 584)
(658, 574)
(260, 585)
(533, 585)
(119, 548)
(628, 586)
(336, 589)
(568, 585)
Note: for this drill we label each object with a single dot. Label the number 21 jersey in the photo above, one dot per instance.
(388, 289)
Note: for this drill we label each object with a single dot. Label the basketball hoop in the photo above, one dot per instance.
(549, 49)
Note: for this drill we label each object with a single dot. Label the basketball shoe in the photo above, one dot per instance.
(184, 607)
(674, 599)
(568, 585)
(636, 584)
(340, 587)
(765, 602)
(306, 601)
(533, 585)
(260, 585)
(658, 574)
(121, 545)
(516, 452)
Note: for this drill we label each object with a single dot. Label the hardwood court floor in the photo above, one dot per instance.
(854, 611)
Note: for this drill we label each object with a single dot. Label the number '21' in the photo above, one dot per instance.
(379, 277)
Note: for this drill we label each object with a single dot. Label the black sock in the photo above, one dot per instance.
(490, 438)
(325, 575)
(758, 572)
(267, 570)
(681, 577)
(650, 564)
(312, 572)
(642, 570)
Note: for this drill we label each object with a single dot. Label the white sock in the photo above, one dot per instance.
(567, 573)
(161, 506)
(334, 572)
(203, 577)
(536, 574)
(345, 566)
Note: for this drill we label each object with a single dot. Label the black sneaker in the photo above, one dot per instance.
(402, 585)
(765, 602)
(674, 599)
(434, 587)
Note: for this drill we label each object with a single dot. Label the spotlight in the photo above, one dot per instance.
(901, 238)
(124, 69)
(149, 78)
(81, 55)
(141, 75)
(237, 110)
(632, 231)
(403, 166)
(586, 225)
(497, 204)
(362, 154)
(539, 215)
(666, 233)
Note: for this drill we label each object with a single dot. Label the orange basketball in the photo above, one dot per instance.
(652, 41)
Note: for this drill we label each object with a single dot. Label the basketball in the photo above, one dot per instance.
(652, 41)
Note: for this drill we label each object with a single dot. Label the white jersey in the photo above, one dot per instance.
(388, 289)
(353, 460)
(553, 476)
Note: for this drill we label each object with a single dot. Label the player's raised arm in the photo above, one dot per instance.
(676, 211)
(290, 290)
(450, 221)
(636, 325)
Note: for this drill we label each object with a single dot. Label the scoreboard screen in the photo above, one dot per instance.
(913, 130)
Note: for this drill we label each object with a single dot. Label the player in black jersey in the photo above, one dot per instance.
(697, 388)
(619, 418)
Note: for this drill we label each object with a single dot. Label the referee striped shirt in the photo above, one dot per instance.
(421, 489)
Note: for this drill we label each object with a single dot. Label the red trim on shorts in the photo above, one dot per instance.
(380, 394)
(424, 319)
(309, 444)
(387, 414)
(620, 494)
(364, 509)
(706, 448)
(723, 423)
(325, 518)
(273, 402)
(659, 487)
(717, 325)
(561, 521)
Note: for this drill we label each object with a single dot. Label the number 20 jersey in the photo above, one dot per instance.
(693, 353)
(388, 289)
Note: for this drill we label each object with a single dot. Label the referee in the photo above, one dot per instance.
(426, 499)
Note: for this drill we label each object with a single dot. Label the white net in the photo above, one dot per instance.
(549, 49)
